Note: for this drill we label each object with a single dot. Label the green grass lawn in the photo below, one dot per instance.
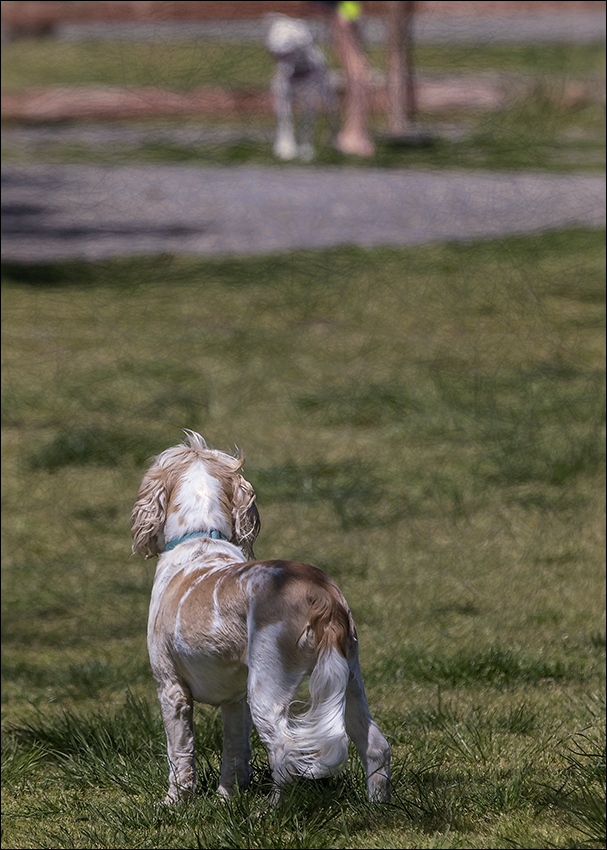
(187, 64)
(425, 424)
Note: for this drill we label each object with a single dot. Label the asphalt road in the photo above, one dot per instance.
(53, 212)
(580, 25)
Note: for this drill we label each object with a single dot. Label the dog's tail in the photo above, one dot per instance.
(314, 742)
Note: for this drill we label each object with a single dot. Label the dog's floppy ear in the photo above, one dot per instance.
(245, 516)
(149, 513)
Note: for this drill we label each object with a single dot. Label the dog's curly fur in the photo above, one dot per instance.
(242, 634)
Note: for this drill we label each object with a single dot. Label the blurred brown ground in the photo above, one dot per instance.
(72, 103)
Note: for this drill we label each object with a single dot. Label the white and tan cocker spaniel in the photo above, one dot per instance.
(242, 634)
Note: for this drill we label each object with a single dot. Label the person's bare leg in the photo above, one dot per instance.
(354, 137)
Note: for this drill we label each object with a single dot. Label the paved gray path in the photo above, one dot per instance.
(581, 26)
(52, 212)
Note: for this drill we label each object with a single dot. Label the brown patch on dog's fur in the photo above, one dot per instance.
(302, 593)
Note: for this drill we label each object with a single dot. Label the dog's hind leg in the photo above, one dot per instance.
(177, 714)
(307, 123)
(272, 685)
(372, 747)
(309, 98)
(236, 757)
(312, 743)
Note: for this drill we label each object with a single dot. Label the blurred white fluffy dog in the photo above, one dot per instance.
(243, 634)
(301, 81)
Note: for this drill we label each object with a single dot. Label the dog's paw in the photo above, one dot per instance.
(285, 149)
(306, 153)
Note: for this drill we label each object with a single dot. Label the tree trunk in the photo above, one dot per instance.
(401, 91)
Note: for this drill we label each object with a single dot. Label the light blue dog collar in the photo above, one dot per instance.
(214, 533)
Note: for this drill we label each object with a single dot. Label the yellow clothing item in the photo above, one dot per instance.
(349, 10)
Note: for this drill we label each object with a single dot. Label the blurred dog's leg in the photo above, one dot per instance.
(285, 146)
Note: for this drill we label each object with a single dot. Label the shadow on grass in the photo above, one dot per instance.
(94, 445)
